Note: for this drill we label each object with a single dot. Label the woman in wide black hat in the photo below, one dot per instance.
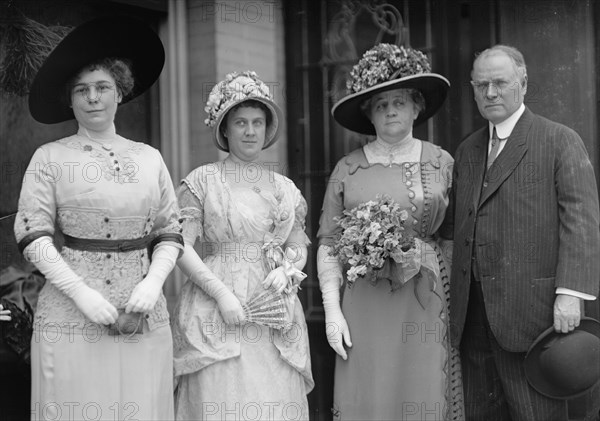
(101, 344)
(391, 332)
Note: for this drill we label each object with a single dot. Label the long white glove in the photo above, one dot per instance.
(330, 279)
(44, 255)
(145, 294)
(194, 268)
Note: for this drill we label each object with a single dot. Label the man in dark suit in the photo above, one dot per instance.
(526, 241)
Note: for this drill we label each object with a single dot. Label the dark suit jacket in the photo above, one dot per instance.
(529, 225)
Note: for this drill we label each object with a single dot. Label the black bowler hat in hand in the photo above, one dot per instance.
(116, 36)
(565, 365)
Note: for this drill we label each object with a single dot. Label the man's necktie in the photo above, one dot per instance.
(495, 147)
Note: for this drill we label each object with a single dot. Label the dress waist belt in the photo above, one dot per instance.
(92, 244)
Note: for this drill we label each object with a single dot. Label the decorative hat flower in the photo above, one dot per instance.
(385, 62)
(236, 87)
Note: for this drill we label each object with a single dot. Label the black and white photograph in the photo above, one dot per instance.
(308, 210)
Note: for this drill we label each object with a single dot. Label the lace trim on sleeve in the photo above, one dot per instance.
(193, 217)
(31, 218)
(299, 227)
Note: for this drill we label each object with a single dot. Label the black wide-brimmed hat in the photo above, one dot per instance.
(565, 365)
(116, 36)
(383, 68)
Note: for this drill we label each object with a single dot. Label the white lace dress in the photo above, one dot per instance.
(75, 186)
(248, 371)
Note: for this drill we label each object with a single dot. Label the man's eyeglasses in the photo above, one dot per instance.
(483, 86)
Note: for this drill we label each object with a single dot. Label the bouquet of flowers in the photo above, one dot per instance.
(373, 240)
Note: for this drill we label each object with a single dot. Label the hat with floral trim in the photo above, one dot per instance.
(383, 68)
(233, 90)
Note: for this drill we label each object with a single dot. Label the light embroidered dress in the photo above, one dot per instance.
(224, 369)
(400, 365)
(116, 190)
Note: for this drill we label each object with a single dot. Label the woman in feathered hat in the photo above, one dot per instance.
(391, 332)
(102, 345)
(241, 345)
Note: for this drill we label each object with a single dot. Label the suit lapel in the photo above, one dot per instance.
(509, 158)
(476, 161)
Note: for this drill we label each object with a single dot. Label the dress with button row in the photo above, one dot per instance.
(400, 366)
(88, 190)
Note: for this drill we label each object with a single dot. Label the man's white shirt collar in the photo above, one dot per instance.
(505, 128)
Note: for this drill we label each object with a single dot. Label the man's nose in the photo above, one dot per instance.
(491, 91)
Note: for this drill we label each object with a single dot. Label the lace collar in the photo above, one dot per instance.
(105, 139)
(381, 152)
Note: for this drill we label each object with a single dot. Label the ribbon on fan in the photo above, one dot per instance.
(268, 307)
(276, 257)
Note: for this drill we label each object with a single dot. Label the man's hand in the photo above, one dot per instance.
(567, 313)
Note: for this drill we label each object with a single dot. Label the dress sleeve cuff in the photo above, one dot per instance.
(175, 240)
(582, 295)
(30, 238)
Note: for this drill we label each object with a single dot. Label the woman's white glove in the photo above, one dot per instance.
(194, 268)
(229, 306)
(4, 314)
(44, 255)
(276, 279)
(146, 293)
(330, 280)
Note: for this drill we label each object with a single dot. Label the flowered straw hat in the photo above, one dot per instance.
(113, 36)
(233, 90)
(383, 68)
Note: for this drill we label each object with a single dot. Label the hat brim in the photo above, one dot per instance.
(273, 130)
(533, 371)
(116, 36)
(432, 86)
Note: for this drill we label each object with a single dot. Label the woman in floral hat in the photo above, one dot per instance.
(391, 332)
(241, 345)
(102, 344)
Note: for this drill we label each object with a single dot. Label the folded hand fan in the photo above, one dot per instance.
(267, 308)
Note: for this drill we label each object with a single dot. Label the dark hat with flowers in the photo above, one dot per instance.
(383, 68)
(233, 90)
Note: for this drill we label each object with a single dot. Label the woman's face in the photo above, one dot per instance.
(94, 99)
(245, 132)
(393, 114)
